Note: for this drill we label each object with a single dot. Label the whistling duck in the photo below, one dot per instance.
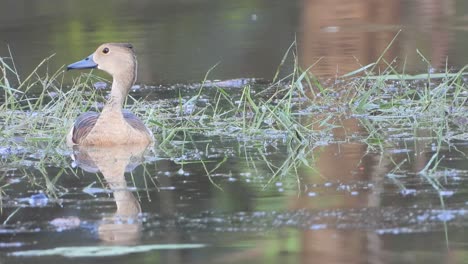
(113, 126)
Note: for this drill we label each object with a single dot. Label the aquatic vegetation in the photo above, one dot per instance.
(296, 113)
(292, 155)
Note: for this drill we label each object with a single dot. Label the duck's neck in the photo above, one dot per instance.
(119, 91)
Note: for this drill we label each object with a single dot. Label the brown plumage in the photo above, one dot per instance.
(86, 121)
(113, 126)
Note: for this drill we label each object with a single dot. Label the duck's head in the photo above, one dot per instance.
(113, 58)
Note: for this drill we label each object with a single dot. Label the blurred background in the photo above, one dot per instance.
(180, 40)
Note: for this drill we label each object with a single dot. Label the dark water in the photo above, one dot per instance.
(353, 203)
(178, 41)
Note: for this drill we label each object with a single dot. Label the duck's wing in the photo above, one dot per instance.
(83, 125)
(134, 121)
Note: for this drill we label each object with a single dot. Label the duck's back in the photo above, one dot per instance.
(133, 120)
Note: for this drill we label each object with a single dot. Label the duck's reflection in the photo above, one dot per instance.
(123, 226)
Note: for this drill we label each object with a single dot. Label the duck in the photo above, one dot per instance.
(114, 125)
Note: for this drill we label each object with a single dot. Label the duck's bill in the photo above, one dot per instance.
(87, 63)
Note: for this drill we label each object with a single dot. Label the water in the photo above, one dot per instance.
(176, 41)
(354, 203)
(143, 202)
(179, 41)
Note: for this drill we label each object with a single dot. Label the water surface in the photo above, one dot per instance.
(225, 196)
(179, 41)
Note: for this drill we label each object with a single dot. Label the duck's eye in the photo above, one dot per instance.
(105, 50)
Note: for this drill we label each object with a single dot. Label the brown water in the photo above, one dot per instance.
(353, 204)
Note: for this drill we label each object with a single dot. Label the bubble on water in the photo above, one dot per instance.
(100, 85)
(95, 190)
(11, 244)
(189, 108)
(311, 194)
(331, 29)
(318, 226)
(170, 188)
(394, 231)
(279, 184)
(354, 193)
(14, 180)
(52, 94)
(65, 223)
(343, 187)
(446, 193)
(407, 192)
(5, 151)
(445, 216)
(422, 218)
(38, 200)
